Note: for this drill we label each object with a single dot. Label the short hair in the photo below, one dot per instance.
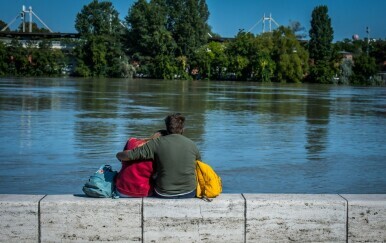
(175, 123)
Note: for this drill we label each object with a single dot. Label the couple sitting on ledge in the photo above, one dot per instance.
(162, 166)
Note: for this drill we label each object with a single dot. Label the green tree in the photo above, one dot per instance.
(320, 46)
(239, 53)
(166, 33)
(98, 18)
(147, 34)
(33, 59)
(93, 56)
(262, 66)
(202, 63)
(147, 39)
(165, 67)
(364, 70)
(45, 60)
(100, 51)
(3, 59)
(187, 21)
(378, 51)
(265, 67)
(345, 72)
(356, 47)
(18, 59)
(290, 57)
(219, 61)
(271, 56)
(211, 61)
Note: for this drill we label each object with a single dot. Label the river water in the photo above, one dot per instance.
(55, 132)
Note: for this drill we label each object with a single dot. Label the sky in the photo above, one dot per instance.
(227, 17)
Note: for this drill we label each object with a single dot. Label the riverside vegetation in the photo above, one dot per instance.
(167, 39)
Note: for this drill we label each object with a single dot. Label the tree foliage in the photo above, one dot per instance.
(30, 60)
(98, 18)
(100, 52)
(292, 64)
(321, 35)
(238, 52)
(164, 32)
(378, 51)
(3, 58)
(345, 73)
(364, 70)
(147, 39)
(187, 22)
(276, 56)
(320, 45)
(169, 39)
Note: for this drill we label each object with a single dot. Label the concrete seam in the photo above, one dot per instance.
(142, 223)
(245, 218)
(39, 221)
(346, 217)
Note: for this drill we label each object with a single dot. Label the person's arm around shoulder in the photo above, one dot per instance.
(143, 152)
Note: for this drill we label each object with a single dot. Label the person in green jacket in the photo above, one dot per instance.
(175, 158)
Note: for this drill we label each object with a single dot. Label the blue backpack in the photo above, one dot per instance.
(101, 183)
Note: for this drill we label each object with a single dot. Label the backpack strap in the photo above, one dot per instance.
(207, 199)
(114, 193)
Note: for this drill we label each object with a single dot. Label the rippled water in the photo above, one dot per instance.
(259, 138)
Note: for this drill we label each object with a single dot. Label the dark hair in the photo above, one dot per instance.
(175, 123)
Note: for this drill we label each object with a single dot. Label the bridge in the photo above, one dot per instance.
(37, 36)
(6, 34)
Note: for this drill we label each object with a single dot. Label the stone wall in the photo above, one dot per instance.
(228, 218)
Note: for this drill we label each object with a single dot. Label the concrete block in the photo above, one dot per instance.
(194, 220)
(295, 217)
(68, 218)
(366, 217)
(19, 218)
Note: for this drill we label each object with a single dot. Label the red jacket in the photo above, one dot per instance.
(135, 177)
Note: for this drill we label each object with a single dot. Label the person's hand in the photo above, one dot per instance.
(122, 156)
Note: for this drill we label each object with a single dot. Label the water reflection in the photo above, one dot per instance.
(260, 138)
(317, 118)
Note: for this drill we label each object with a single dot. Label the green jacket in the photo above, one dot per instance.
(175, 162)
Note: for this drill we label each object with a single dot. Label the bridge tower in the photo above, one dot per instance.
(263, 20)
(22, 16)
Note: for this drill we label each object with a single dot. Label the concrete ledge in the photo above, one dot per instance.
(194, 220)
(229, 218)
(366, 217)
(19, 218)
(295, 217)
(66, 218)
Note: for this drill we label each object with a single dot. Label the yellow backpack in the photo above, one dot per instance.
(208, 182)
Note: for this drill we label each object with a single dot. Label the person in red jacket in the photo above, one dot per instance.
(135, 179)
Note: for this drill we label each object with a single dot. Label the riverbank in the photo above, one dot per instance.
(230, 217)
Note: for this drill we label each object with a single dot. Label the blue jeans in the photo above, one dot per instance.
(191, 194)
